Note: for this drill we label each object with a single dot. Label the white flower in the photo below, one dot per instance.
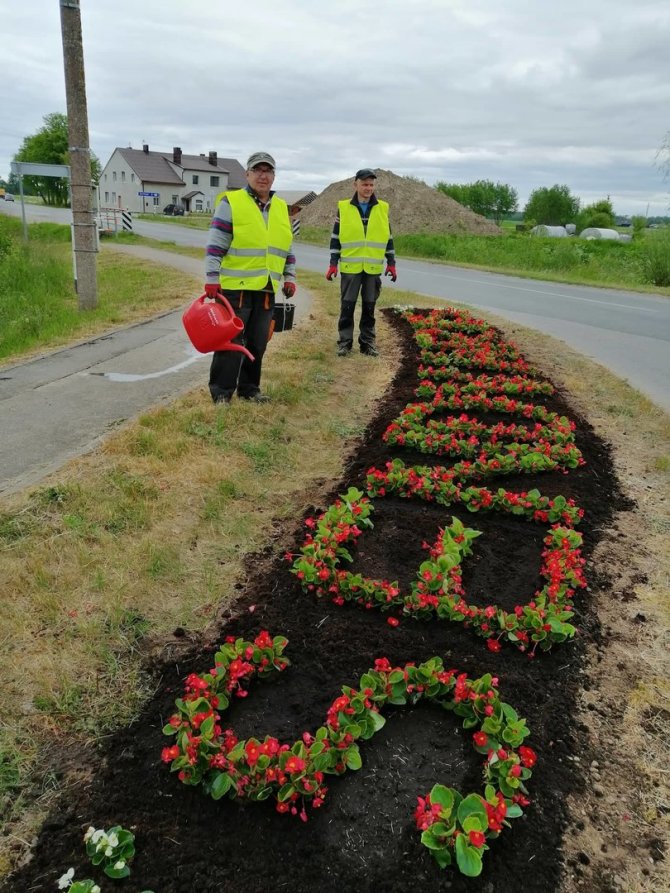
(109, 851)
(95, 889)
(89, 833)
(120, 864)
(113, 840)
(65, 880)
(97, 835)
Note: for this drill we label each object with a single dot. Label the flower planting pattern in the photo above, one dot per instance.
(464, 367)
(453, 826)
(438, 591)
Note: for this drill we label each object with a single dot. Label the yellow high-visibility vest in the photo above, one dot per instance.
(259, 250)
(363, 251)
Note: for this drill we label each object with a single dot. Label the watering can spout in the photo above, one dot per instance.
(212, 326)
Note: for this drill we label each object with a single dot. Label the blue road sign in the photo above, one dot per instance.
(150, 194)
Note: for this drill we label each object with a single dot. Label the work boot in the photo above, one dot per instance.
(256, 398)
(369, 350)
(222, 398)
(343, 350)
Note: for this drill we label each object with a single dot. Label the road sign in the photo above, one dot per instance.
(150, 194)
(25, 168)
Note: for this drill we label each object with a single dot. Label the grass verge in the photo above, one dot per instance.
(38, 304)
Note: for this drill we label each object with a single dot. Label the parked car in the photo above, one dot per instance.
(9, 197)
(173, 210)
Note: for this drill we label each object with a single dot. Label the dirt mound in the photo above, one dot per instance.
(415, 207)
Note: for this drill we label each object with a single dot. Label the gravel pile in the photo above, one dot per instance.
(414, 207)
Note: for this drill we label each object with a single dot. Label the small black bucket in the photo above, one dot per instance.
(283, 316)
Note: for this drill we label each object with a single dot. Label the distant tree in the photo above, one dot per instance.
(600, 214)
(50, 146)
(639, 224)
(493, 200)
(553, 206)
(457, 191)
(506, 202)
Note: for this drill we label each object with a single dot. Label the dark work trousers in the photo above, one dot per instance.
(369, 287)
(230, 370)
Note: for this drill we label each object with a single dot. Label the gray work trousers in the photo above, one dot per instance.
(369, 287)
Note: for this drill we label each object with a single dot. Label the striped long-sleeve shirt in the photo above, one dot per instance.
(221, 236)
(335, 244)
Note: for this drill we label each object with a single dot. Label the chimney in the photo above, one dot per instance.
(145, 148)
(212, 158)
(176, 155)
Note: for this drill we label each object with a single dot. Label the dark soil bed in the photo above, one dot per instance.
(363, 838)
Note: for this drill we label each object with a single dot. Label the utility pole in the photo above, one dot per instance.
(84, 225)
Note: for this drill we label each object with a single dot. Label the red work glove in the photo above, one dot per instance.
(390, 271)
(331, 273)
(212, 289)
(288, 289)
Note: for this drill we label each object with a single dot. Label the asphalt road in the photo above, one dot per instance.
(627, 332)
(61, 405)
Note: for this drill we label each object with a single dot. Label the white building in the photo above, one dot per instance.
(190, 181)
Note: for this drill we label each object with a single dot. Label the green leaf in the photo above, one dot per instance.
(220, 786)
(429, 840)
(444, 796)
(442, 857)
(474, 823)
(376, 719)
(353, 758)
(467, 857)
(285, 792)
(472, 805)
(116, 873)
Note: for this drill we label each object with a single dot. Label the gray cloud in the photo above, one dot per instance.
(454, 90)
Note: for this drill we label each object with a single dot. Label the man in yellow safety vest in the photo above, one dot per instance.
(360, 241)
(249, 250)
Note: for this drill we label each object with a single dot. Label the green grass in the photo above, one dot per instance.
(641, 265)
(38, 303)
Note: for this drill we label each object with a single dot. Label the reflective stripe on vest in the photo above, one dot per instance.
(363, 251)
(258, 251)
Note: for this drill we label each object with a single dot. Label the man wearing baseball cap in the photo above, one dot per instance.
(360, 241)
(249, 250)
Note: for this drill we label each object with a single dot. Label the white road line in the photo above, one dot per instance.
(554, 294)
(126, 377)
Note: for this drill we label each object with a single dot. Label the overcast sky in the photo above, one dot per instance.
(575, 92)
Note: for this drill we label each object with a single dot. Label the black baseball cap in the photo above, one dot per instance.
(365, 173)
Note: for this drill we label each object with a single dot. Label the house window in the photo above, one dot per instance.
(123, 176)
(105, 178)
(157, 200)
(175, 199)
(214, 181)
(107, 198)
(198, 204)
(114, 176)
(113, 198)
(196, 179)
(132, 178)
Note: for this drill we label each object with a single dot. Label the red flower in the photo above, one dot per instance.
(528, 756)
(477, 838)
(392, 621)
(294, 764)
(480, 738)
(170, 753)
(493, 644)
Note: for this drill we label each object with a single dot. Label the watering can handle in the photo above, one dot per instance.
(239, 348)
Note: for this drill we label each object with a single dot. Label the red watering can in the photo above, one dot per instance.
(212, 325)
